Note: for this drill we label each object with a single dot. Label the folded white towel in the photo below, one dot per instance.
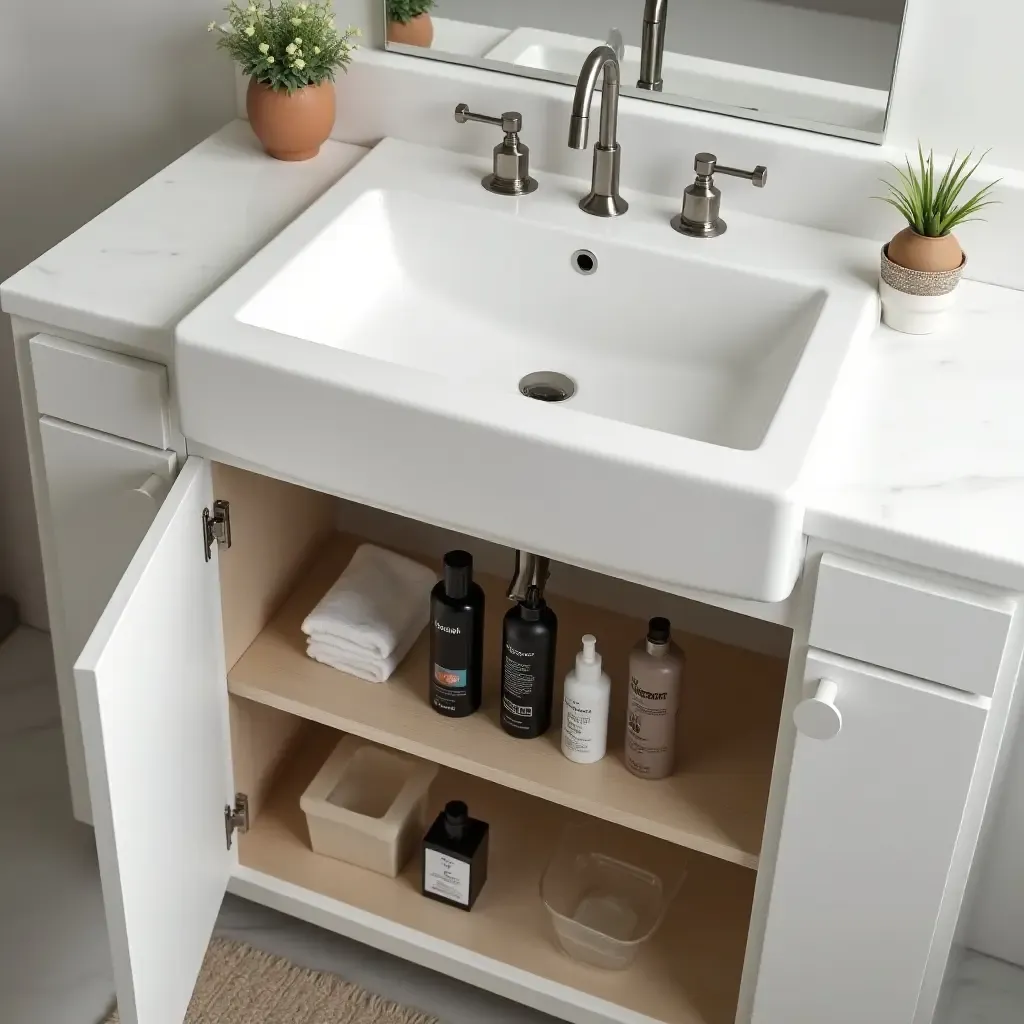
(378, 603)
(358, 661)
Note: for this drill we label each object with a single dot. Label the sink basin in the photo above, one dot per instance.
(712, 83)
(691, 349)
(377, 349)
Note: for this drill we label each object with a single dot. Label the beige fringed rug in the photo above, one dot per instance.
(242, 985)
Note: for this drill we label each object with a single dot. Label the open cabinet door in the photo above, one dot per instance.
(153, 702)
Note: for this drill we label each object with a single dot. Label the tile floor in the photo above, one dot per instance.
(56, 969)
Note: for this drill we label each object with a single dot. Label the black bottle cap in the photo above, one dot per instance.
(532, 605)
(458, 573)
(456, 817)
(659, 631)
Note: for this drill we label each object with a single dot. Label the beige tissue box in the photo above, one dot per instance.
(368, 805)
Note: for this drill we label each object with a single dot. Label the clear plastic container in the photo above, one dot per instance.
(602, 908)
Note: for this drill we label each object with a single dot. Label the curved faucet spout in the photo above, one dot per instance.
(652, 46)
(603, 199)
(602, 59)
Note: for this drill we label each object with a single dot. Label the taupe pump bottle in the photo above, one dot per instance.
(655, 677)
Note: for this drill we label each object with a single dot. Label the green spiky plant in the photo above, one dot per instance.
(932, 208)
(405, 10)
(286, 44)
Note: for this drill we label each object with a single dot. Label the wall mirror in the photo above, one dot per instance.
(821, 65)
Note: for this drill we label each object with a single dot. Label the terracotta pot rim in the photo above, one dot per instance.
(398, 21)
(930, 238)
(302, 88)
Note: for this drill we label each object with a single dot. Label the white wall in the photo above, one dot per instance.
(960, 80)
(94, 98)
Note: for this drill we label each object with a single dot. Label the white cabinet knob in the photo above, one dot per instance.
(151, 490)
(818, 716)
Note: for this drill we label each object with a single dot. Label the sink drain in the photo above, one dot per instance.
(584, 262)
(547, 386)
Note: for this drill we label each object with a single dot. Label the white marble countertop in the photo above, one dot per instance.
(921, 454)
(920, 457)
(131, 273)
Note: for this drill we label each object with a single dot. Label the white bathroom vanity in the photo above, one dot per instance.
(328, 353)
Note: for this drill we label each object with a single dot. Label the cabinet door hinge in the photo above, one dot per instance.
(236, 819)
(217, 527)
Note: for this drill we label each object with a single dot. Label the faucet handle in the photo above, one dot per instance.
(706, 165)
(702, 201)
(510, 122)
(511, 175)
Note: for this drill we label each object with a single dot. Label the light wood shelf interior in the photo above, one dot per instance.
(728, 721)
(688, 973)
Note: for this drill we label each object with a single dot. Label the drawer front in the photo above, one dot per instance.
(923, 629)
(104, 391)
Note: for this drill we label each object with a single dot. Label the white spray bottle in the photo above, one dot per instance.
(585, 707)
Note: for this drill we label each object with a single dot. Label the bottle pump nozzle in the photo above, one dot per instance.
(588, 661)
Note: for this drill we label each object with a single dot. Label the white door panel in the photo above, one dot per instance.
(98, 520)
(153, 702)
(870, 824)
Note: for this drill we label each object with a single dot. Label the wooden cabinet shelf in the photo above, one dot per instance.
(715, 803)
(688, 972)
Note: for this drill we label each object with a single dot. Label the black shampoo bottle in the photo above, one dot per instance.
(456, 639)
(528, 667)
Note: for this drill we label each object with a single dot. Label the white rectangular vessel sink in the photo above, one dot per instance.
(706, 357)
(380, 348)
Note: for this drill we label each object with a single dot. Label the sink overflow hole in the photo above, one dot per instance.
(584, 262)
(547, 386)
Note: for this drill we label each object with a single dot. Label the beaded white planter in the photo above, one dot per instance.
(916, 301)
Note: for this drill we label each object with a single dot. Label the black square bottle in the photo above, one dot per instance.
(456, 639)
(455, 857)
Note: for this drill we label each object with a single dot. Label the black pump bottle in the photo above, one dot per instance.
(456, 639)
(528, 667)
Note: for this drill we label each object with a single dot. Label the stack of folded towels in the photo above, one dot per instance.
(367, 622)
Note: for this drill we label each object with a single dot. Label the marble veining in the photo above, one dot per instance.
(131, 273)
(921, 454)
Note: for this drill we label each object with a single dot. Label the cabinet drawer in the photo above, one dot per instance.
(923, 629)
(107, 392)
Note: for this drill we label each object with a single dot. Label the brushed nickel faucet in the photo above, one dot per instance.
(652, 46)
(702, 201)
(603, 200)
(511, 174)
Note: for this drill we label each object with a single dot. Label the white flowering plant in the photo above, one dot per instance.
(286, 45)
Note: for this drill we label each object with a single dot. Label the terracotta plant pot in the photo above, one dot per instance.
(418, 31)
(931, 255)
(291, 127)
